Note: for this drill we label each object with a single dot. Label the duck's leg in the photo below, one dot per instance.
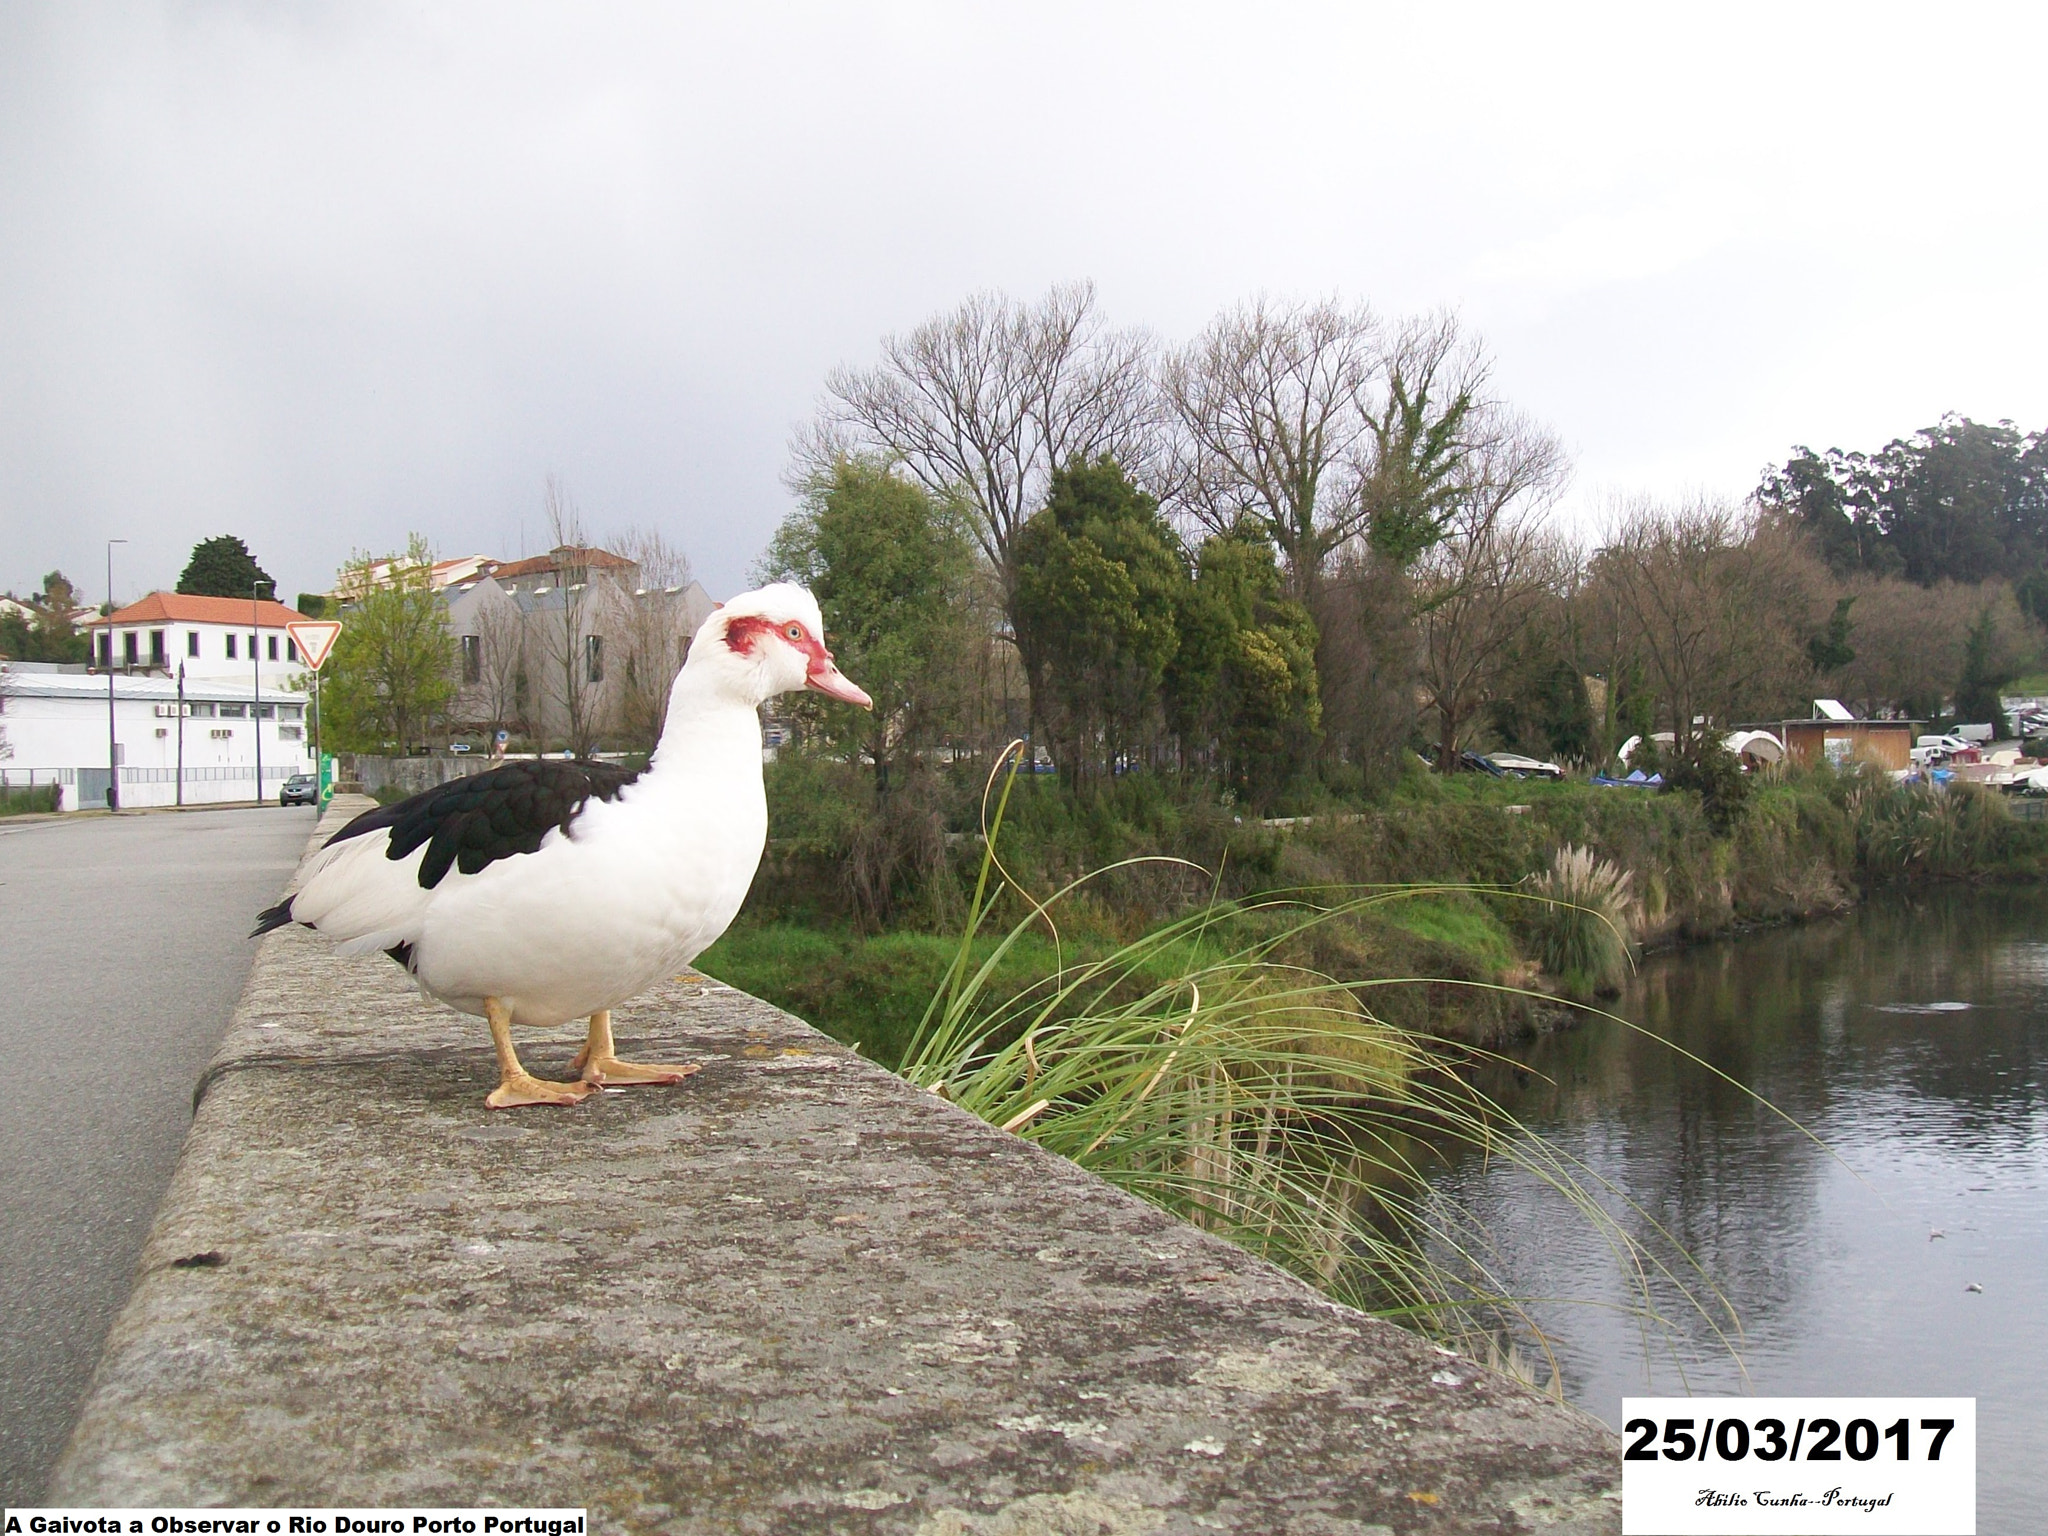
(602, 1069)
(517, 1086)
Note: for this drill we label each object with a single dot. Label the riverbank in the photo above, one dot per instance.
(853, 919)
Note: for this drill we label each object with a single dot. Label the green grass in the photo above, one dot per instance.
(870, 990)
(1203, 1071)
(28, 801)
(867, 991)
(1455, 921)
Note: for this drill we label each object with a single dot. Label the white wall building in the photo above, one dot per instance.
(53, 729)
(208, 636)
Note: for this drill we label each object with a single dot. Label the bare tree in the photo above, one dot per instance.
(494, 668)
(1480, 581)
(1325, 426)
(988, 400)
(1366, 660)
(1270, 406)
(572, 651)
(653, 635)
(1910, 641)
(1709, 602)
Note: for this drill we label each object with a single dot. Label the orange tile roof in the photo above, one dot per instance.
(182, 608)
(555, 559)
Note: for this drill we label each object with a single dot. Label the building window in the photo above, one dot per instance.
(291, 649)
(472, 658)
(191, 642)
(129, 648)
(593, 657)
(273, 647)
(266, 711)
(231, 647)
(233, 711)
(156, 648)
(200, 711)
(291, 711)
(106, 649)
(291, 733)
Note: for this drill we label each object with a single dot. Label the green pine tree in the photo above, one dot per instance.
(223, 567)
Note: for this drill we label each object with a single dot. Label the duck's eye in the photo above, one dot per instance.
(795, 631)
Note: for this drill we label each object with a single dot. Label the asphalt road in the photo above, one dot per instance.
(123, 948)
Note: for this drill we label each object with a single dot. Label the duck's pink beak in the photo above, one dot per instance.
(835, 684)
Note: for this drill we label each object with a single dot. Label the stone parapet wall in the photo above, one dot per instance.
(790, 1294)
(410, 775)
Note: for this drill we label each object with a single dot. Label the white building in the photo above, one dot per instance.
(54, 720)
(230, 662)
(209, 636)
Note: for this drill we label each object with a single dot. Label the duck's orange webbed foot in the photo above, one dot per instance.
(521, 1088)
(601, 1068)
(518, 1087)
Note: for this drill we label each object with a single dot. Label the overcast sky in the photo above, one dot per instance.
(321, 274)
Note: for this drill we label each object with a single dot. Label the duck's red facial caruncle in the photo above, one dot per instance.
(744, 633)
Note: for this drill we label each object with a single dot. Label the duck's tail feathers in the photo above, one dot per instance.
(279, 916)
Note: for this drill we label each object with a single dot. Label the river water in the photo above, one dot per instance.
(1911, 1039)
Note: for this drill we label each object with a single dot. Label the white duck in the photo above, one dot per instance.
(545, 891)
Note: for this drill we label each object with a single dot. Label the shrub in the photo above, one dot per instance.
(1579, 926)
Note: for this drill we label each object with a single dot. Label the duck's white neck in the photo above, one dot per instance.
(707, 723)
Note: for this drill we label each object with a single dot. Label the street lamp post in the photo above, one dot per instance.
(256, 676)
(113, 751)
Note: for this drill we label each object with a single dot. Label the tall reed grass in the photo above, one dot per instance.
(1909, 830)
(1579, 926)
(1265, 1102)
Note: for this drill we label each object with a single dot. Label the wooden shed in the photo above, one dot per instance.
(1883, 743)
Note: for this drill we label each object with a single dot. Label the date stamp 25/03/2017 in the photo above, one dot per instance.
(1799, 1466)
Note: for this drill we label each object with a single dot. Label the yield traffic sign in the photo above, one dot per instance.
(314, 638)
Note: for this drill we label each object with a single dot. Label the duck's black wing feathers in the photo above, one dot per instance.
(473, 822)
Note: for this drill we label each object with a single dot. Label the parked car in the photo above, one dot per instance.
(1932, 751)
(1524, 767)
(1472, 762)
(300, 789)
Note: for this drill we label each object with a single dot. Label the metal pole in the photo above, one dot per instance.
(319, 759)
(181, 733)
(256, 686)
(113, 752)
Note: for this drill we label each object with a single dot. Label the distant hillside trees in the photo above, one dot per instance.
(223, 567)
(1957, 501)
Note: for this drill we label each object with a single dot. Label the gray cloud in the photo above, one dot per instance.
(319, 276)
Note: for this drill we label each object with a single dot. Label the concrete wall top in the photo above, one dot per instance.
(790, 1294)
